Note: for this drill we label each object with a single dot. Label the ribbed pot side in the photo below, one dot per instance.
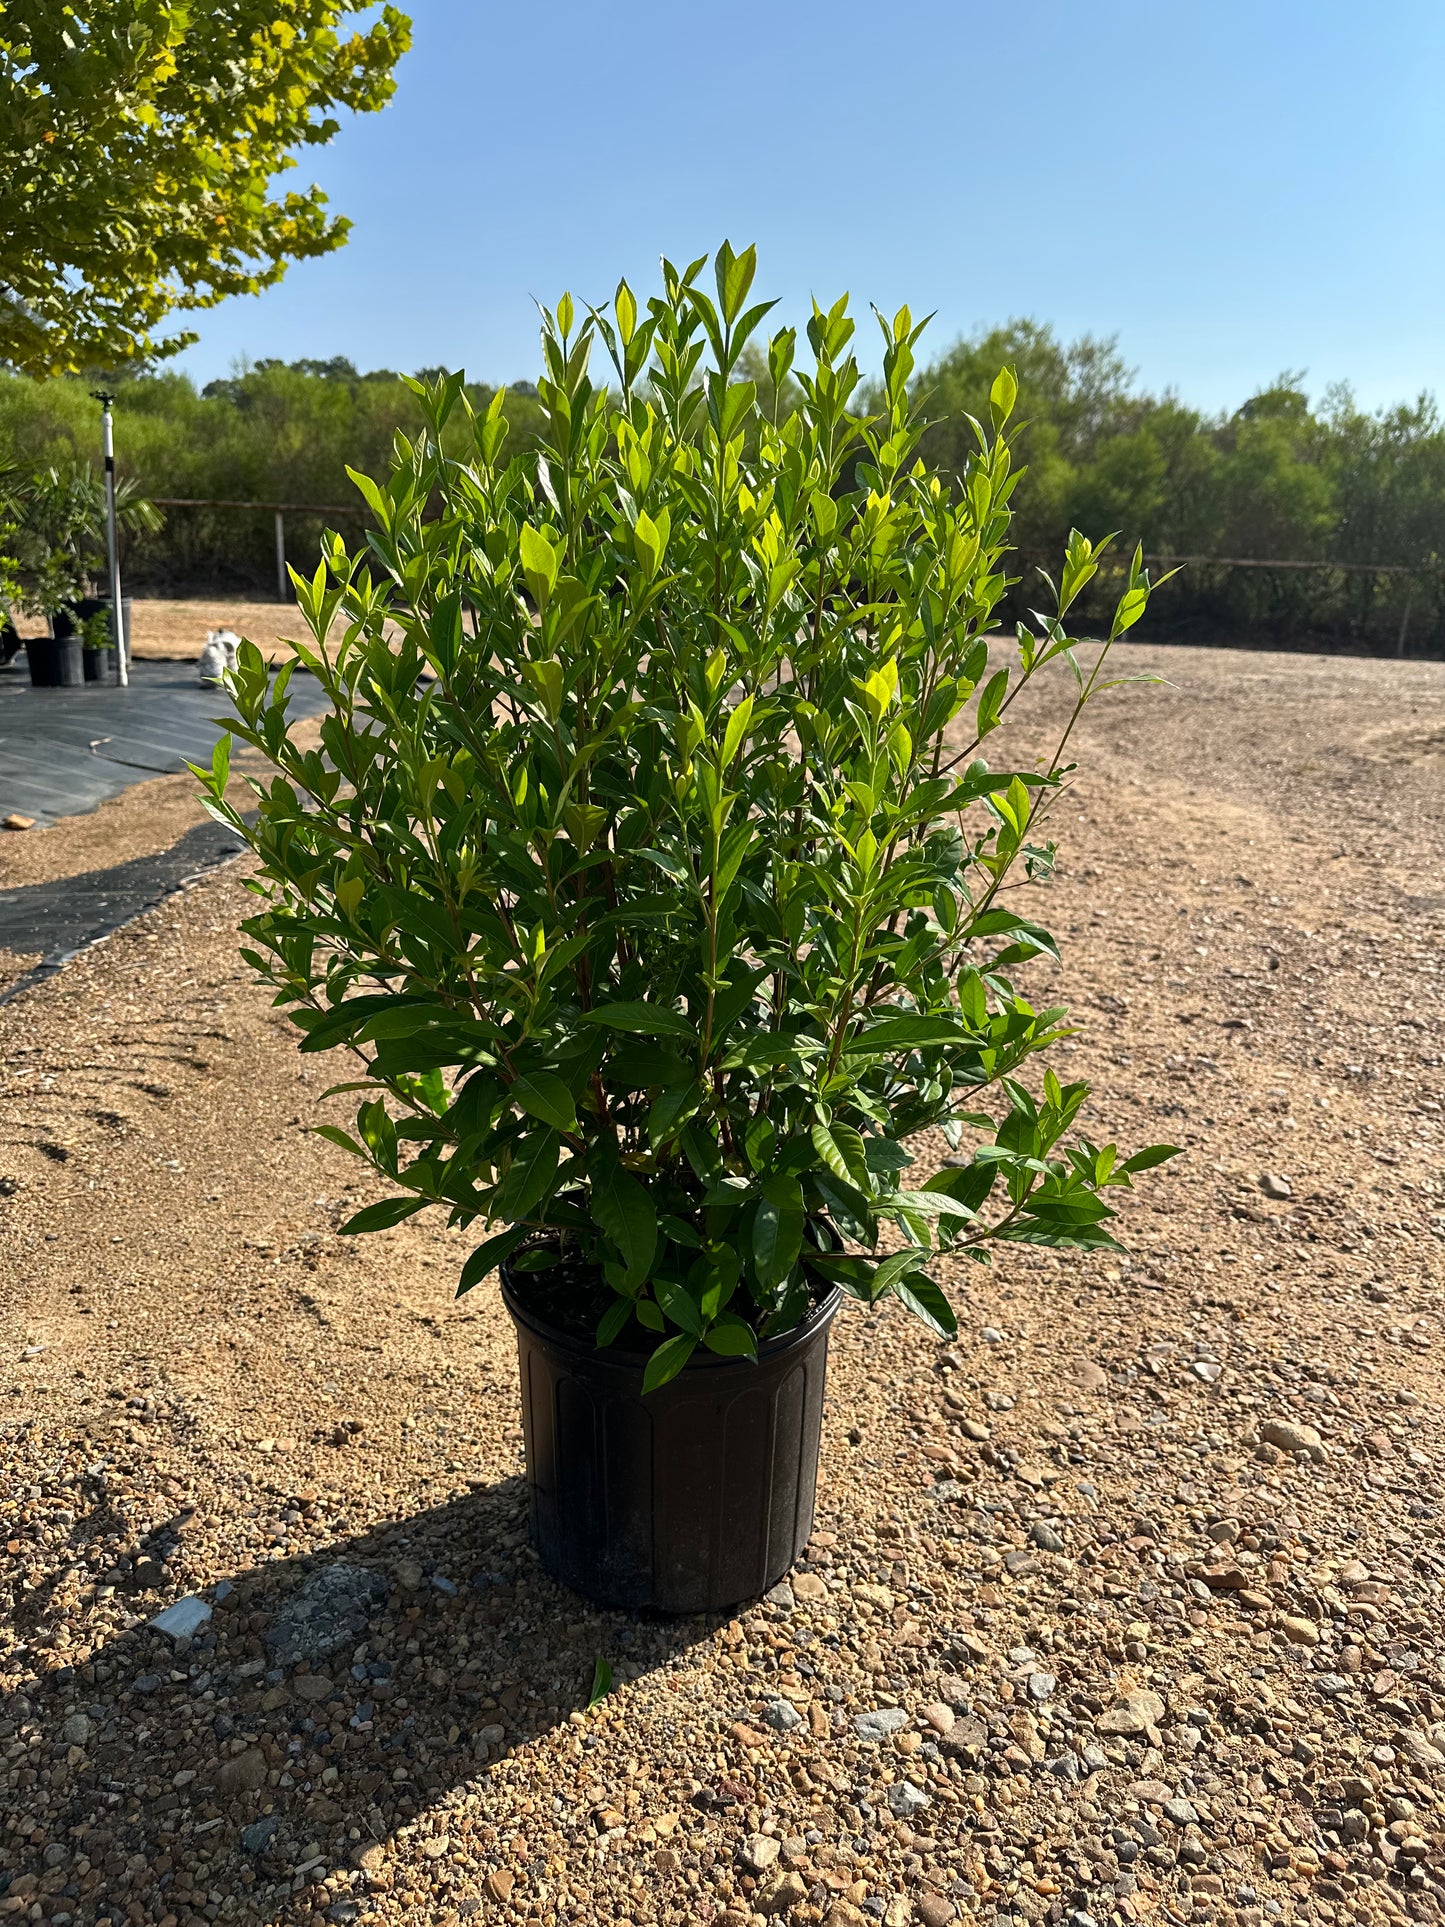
(692, 1499)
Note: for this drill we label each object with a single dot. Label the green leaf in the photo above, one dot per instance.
(652, 1020)
(1145, 1160)
(899, 1033)
(623, 1209)
(547, 1098)
(842, 1151)
(539, 563)
(778, 1229)
(991, 702)
(613, 1322)
(380, 1217)
(667, 1361)
(488, 1255)
(530, 1175)
(731, 1337)
(924, 1299)
(601, 1683)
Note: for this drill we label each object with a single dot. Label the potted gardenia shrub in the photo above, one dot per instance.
(57, 545)
(653, 879)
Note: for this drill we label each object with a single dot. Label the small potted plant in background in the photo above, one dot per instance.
(58, 540)
(652, 875)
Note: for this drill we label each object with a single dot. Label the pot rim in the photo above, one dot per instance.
(626, 1358)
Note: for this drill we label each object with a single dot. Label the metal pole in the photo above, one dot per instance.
(283, 581)
(117, 609)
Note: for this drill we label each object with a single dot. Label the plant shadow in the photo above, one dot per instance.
(333, 1704)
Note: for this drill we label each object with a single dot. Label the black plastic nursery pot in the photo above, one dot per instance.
(56, 662)
(692, 1499)
(97, 663)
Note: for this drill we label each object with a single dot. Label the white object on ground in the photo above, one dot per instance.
(219, 654)
(183, 1618)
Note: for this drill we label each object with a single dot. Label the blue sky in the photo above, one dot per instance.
(1232, 189)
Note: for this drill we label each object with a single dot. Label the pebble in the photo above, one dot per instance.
(759, 1851)
(259, 1835)
(1089, 1377)
(1300, 1632)
(243, 1772)
(1274, 1185)
(810, 1587)
(932, 1910)
(905, 1799)
(1182, 1812)
(1046, 1537)
(1132, 1714)
(782, 1716)
(782, 1596)
(1288, 1436)
(1040, 1687)
(183, 1619)
(877, 1726)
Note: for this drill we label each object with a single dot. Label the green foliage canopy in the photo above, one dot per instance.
(650, 867)
(138, 147)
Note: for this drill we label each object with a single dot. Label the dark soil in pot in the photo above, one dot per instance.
(691, 1499)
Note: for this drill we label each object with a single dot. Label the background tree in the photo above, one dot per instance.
(139, 145)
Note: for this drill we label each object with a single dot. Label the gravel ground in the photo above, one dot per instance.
(1127, 1607)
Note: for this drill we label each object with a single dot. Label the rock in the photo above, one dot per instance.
(975, 1429)
(758, 1852)
(782, 1894)
(1088, 1376)
(1286, 1436)
(16, 820)
(408, 1575)
(243, 1772)
(1040, 1687)
(76, 1730)
(1046, 1537)
(329, 1610)
(1182, 1812)
(1331, 1685)
(1134, 1713)
(809, 1586)
(782, 1716)
(1275, 1186)
(1153, 1793)
(147, 1683)
(1299, 1632)
(182, 1619)
(872, 1595)
(781, 1596)
(438, 1847)
(934, 1911)
(259, 1835)
(905, 1799)
(877, 1726)
(939, 1716)
(1417, 1749)
(500, 1883)
(313, 1686)
(1224, 1532)
(1021, 1565)
(843, 1913)
(1207, 1369)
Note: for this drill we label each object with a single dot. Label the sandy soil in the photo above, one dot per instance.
(1134, 1661)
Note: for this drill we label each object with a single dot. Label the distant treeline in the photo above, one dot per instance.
(1278, 480)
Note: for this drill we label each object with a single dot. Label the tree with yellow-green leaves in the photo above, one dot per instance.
(139, 145)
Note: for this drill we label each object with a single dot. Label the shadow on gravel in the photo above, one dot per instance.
(331, 1703)
(59, 918)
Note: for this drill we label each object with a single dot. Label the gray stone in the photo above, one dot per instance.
(905, 1799)
(76, 1730)
(1065, 1767)
(1182, 1812)
(781, 1596)
(1021, 1565)
(147, 1683)
(182, 1619)
(1089, 1377)
(259, 1835)
(1275, 1186)
(1331, 1685)
(782, 1716)
(1417, 1749)
(1132, 1714)
(1046, 1537)
(1040, 1687)
(330, 1609)
(878, 1725)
